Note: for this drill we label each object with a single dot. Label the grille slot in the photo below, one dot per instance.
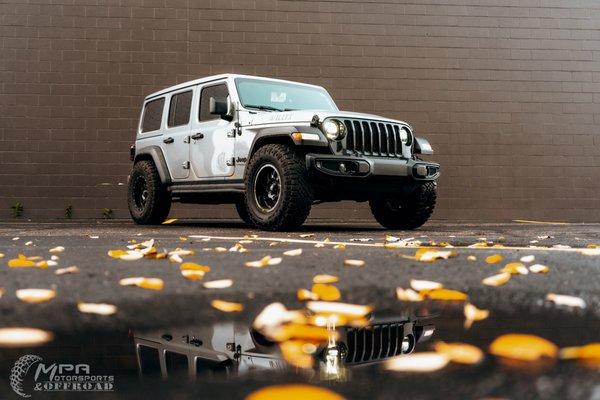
(373, 342)
(372, 138)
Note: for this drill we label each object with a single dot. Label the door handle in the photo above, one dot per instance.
(168, 140)
(197, 136)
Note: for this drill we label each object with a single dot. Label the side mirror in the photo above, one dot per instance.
(221, 106)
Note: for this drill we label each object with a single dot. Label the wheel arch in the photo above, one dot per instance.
(155, 154)
(273, 137)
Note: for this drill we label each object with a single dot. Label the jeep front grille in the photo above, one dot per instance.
(374, 342)
(373, 138)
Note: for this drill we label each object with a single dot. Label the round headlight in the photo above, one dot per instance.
(333, 129)
(404, 135)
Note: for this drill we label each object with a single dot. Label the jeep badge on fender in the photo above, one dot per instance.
(293, 148)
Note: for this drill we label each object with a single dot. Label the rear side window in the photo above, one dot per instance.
(153, 112)
(207, 93)
(179, 109)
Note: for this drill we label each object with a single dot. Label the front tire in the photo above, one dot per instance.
(278, 194)
(408, 211)
(148, 199)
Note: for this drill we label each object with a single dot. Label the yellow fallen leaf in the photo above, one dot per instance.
(431, 255)
(324, 278)
(354, 263)
(460, 353)
(340, 246)
(189, 266)
(116, 253)
(293, 352)
(24, 337)
(69, 270)
(539, 269)
(57, 249)
(274, 315)
(131, 255)
(523, 347)
(263, 262)
(326, 292)
(97, 308)
(218, 284)
(306, 235)
(144, 283)
(445, 294)
(35, 295)
(305, 294)
(292, 331)
(473, 313)
(515, 268)
(192, 275)
(408, 295)
(420, 285)
(565, 300)
(589, 351)
(493, 259)
(417, 362)
(471, 258)
(20, 263)
(527, 259)
(169, 221)
(497, 280)
(293, 392)
(292, 253)
(226, 306)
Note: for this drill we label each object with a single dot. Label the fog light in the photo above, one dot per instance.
(342, 167)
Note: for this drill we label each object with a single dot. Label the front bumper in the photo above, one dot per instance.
(361, 167)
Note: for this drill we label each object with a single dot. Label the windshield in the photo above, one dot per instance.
(262, 94)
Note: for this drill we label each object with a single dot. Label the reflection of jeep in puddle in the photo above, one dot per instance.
(236, 349)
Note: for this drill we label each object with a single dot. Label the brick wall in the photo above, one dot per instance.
(507, 91)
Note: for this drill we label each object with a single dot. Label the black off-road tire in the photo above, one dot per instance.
(242, 211)
(157, 204)
(295, 195)
(408, 211)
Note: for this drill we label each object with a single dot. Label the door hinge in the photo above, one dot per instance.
(185, 165)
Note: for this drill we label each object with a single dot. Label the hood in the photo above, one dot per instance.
(305, 116)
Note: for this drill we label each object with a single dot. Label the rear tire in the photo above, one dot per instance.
(278, 194)
(408, 211)
(148, 199)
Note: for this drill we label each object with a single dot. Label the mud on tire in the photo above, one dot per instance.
(408, 211)
(272, 208)
(148, 199)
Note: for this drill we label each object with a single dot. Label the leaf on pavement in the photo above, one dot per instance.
(305, 294)
(263, 262)
(169, 221)
(226, 306)
(190, 266)
(539, 269)
(408, 295)
(460, 353)
(344, 309)
(565, 300)
(192, 275)
(57, 249)
(293, 331)
(417, 362)
(274, 315)
(527, 259)
(493, 259)
(515, 268)
(497, 280)
(326, 292)
(144, 283)
(24, 337)
(430, 255)
(324, 278)
(471, 258)
(354, 263)
(421, 285)
(523, 347)
(20, 263)
(340, 246)
(473, 314)
(68, 270)
(293, 392)
(35, 295)
(97, 308)
(445, 294)
(218, 284)
(306, 235)
(589, 351)
(293, 352)
(292, 253)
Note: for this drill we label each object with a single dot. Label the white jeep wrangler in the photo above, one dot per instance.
(273, 148)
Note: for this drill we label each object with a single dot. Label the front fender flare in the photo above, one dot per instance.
(282, 134)
(157, 156)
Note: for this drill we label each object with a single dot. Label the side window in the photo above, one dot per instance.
(208, 92)
(153, 112)
(179, 109)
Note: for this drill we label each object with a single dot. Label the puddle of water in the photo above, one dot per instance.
(230, 350)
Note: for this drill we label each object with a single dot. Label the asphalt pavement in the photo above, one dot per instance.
(518, 306)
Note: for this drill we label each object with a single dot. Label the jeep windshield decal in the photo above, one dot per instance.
(269, 95)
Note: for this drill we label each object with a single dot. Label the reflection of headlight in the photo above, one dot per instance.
(334, 129)
(404, 135)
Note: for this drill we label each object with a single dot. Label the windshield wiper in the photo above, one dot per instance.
(261, 107)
